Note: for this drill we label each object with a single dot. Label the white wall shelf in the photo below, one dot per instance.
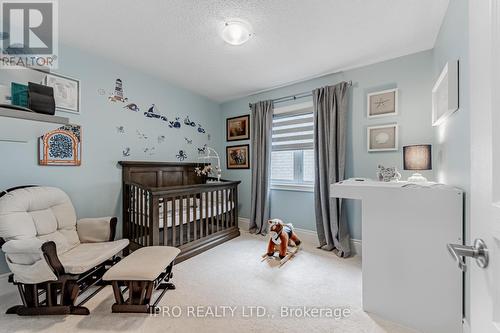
(22, 126)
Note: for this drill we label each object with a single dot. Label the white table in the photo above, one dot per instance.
(408, 276)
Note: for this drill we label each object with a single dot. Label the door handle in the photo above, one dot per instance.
(478, 251)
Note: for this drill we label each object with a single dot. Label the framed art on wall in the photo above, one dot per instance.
(382, 103)
(238, 157)
(445, 93)
(238, 128)
(382, 138)
(62, 146)
(66, 92)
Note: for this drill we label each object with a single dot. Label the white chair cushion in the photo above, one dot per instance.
(88, 255)
(46, 212)
(92, 230)
(144, 264)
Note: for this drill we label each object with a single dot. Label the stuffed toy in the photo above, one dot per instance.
(281, 235)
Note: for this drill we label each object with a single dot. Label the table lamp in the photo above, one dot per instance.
(417, 158)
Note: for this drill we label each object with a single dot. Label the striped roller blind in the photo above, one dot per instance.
(293, 130)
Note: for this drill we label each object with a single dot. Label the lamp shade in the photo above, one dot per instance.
(417, 157)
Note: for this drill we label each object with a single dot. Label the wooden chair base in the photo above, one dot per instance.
(22, 310)
(140, 293)
(59, 297)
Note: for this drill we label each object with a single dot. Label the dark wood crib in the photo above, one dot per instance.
(168, 204)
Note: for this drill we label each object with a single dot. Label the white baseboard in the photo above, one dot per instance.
(244, 223)
(465, 326)
(307, 236)
(356, 247)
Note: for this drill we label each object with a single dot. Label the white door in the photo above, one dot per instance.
(484, 16)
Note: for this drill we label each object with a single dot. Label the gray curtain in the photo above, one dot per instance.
(262, 126)
(330, 122)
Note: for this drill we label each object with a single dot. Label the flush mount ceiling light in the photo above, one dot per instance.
(236, 32)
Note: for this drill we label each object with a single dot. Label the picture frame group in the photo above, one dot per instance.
(238, 157)
(238, 128)
(380, 104)
(383, 137)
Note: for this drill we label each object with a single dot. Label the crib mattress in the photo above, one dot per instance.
(211, 210)
(201, 213)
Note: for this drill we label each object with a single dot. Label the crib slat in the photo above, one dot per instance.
(142, 216)
(195, 219)
(222, 217)
(212, 201)
(126, 209)
(181, 220)
(142, 212)
(226, 198)
(188, 218)
(200, 216)
(136, 214)
(207, 218)
(202, 207)
(126, 229)
(217, 209)
(233, 216)
(165, 223)
(174, 220)
(236, 207)
(154, 213)
(147, 217)
(168, 215)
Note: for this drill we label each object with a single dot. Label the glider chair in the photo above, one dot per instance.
(53, 256)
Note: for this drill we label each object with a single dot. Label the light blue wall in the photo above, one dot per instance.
(452, 158)
(452, 138)
(95, 187)
(411, 74)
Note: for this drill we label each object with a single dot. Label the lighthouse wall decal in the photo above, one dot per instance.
(118, 94)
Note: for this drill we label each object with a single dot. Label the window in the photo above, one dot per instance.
(292, 159)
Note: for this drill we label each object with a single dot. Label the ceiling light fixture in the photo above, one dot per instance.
(236, 32)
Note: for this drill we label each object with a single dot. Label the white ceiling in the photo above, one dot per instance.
(178, 40)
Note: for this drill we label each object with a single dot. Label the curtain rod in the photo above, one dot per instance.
(296, 96)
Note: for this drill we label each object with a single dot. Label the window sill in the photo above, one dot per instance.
(292, 187)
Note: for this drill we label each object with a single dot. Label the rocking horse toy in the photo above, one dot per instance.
(282, 239)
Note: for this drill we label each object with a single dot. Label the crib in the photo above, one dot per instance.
(168, 204)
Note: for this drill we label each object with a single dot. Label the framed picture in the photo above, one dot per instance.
(382, 103)
(238, 128)
(66, 92)
(62, 146)
(382, 138)
(445, 93)
(238, 157)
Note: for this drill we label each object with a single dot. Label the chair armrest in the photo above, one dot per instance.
(32, 260)
(32, 246)
(95, 230)
(29, 251)
(50, 254)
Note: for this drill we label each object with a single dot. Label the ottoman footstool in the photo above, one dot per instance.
(143, 271)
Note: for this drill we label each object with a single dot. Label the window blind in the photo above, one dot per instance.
(293, 130)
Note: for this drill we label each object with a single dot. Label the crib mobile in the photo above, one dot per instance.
(207, 169)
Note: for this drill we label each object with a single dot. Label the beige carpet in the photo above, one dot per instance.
(231, 277)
